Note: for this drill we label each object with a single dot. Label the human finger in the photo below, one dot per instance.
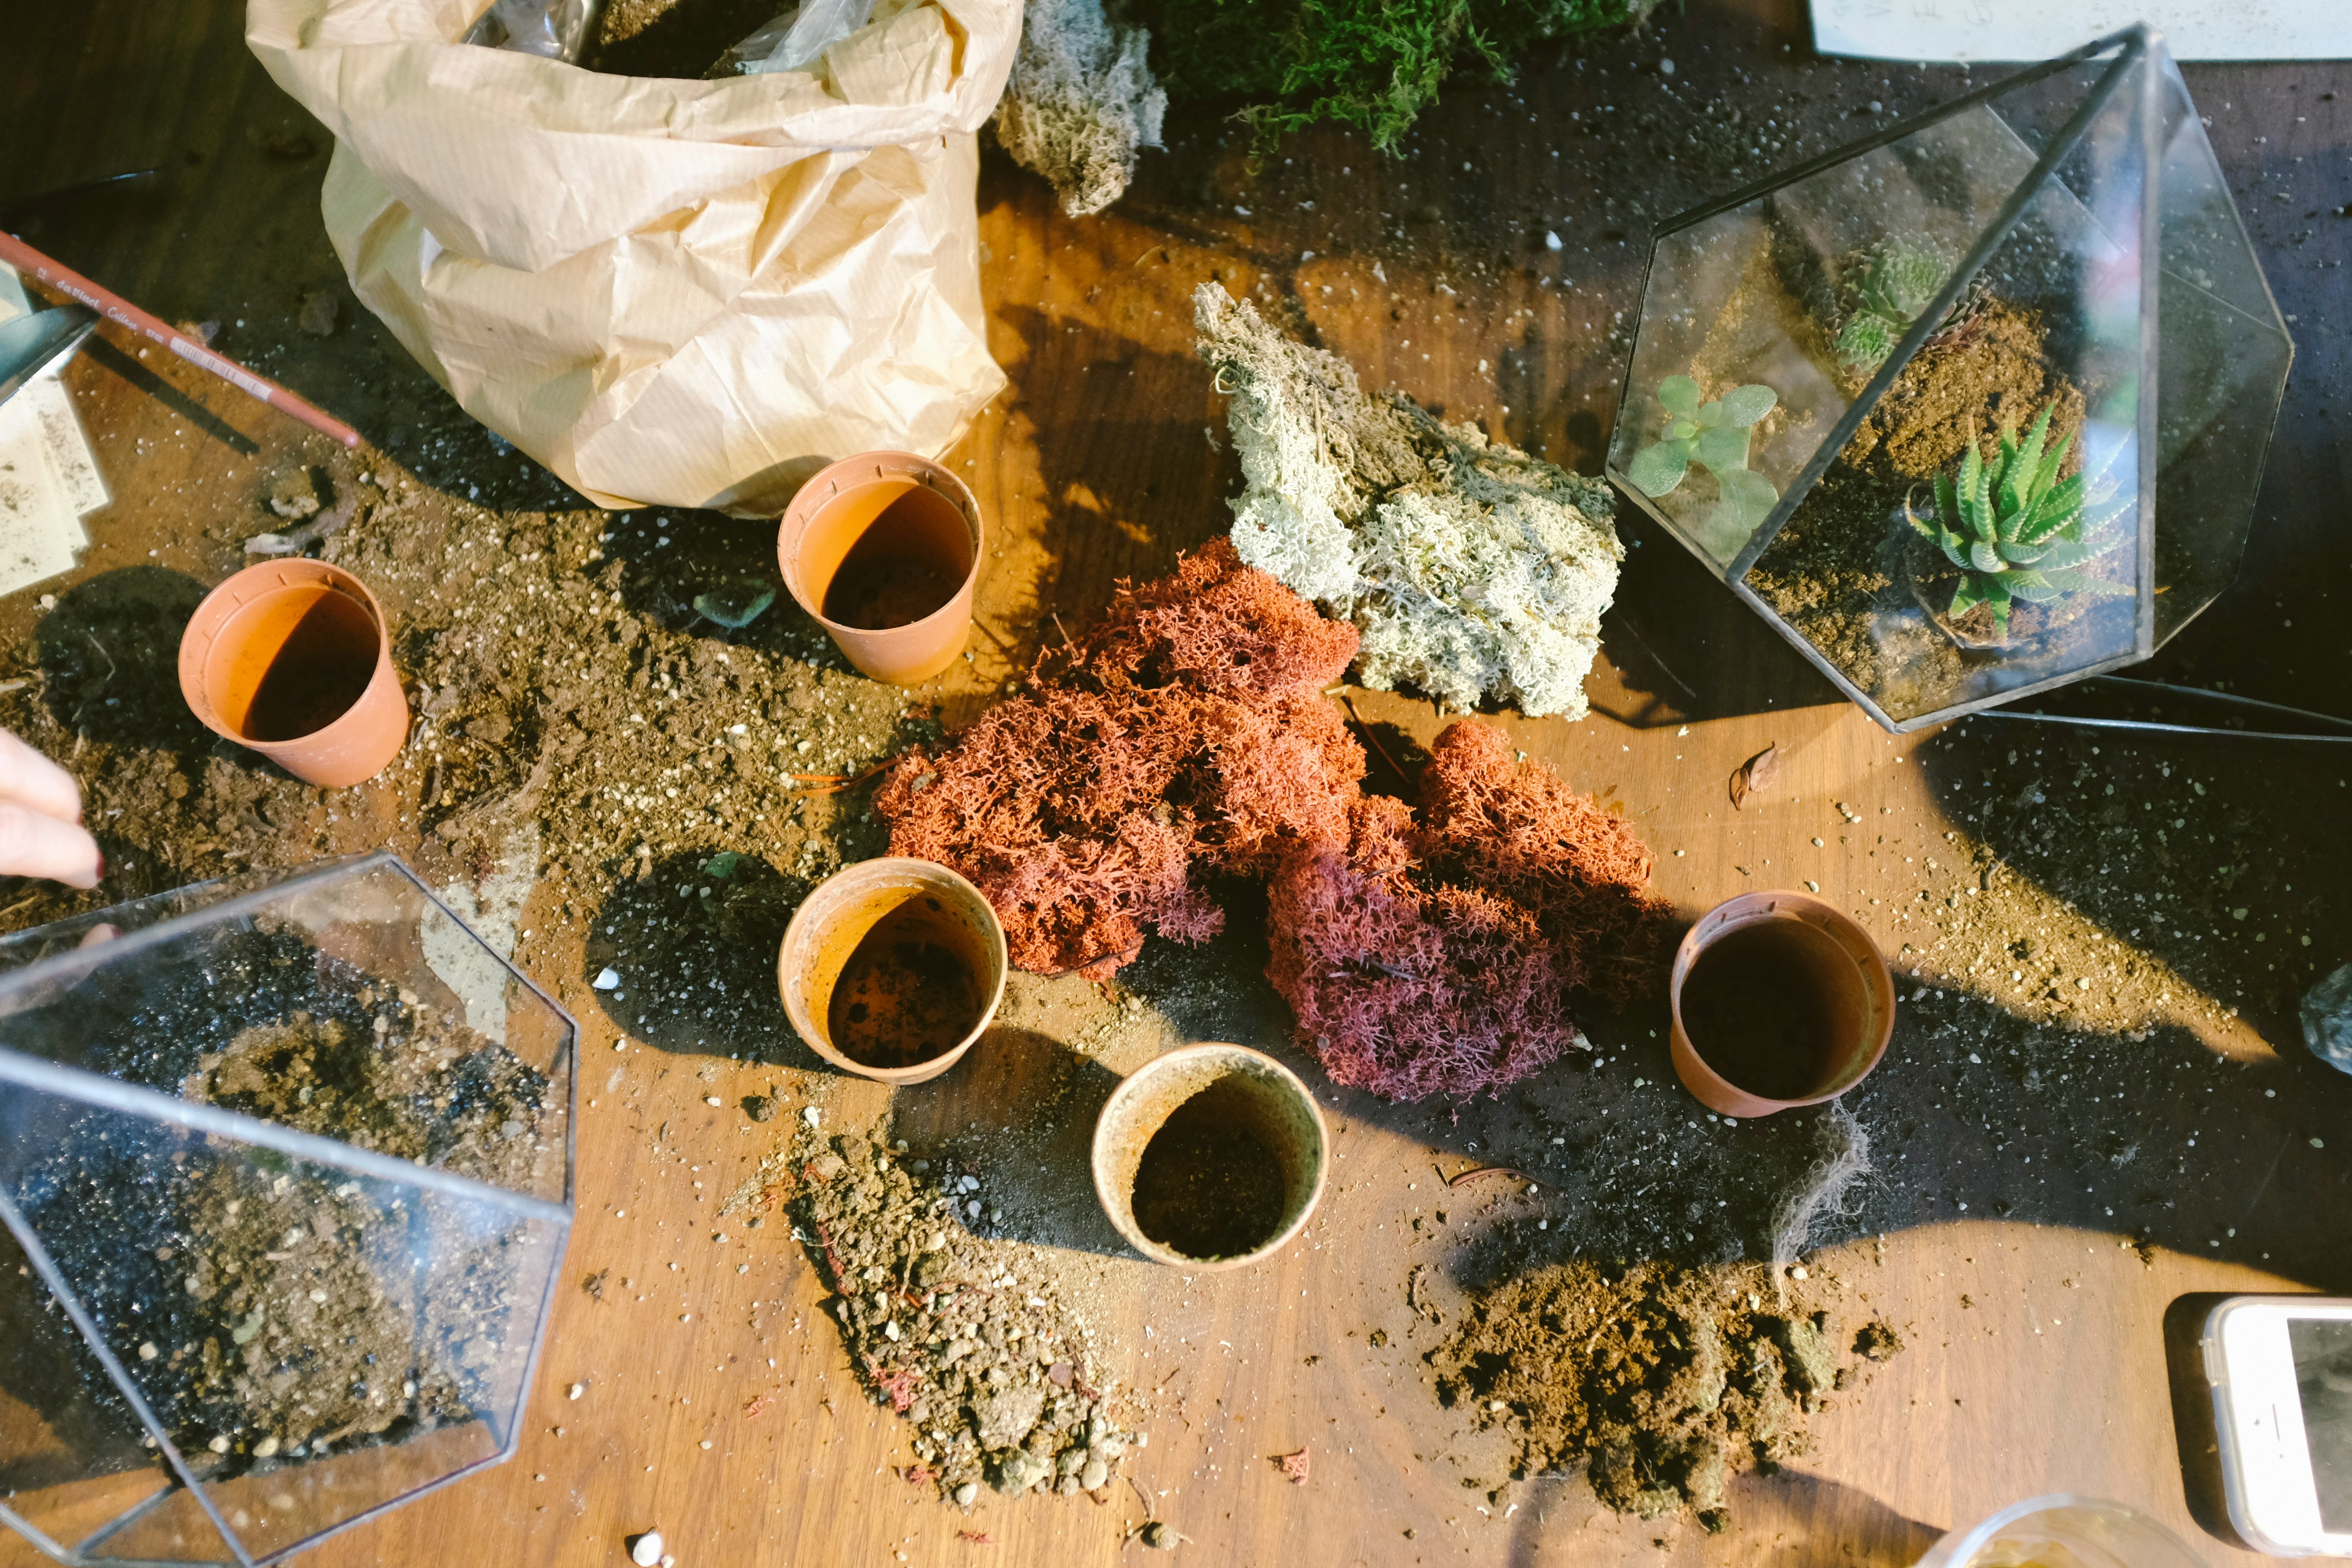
(34, 844)
(32, 779)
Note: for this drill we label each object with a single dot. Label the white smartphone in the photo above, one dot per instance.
(2280, 1368)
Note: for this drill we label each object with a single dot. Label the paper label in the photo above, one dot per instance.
(2019, 30)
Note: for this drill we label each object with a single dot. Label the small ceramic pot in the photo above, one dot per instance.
(1269, 1116)
(293, 659)
(892, 968)
(1779, 999)
(883, 550)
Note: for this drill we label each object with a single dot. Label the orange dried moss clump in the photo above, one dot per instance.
(1183, 736)
(1440, 958)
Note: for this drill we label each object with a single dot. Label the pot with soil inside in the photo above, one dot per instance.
(892, 969)
(1921, 404)
(1212, 1156)
(295, 1157)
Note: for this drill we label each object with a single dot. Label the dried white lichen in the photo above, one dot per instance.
(1081, 101)
(1473, 572)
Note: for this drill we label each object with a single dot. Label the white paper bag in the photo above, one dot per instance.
(679, 293)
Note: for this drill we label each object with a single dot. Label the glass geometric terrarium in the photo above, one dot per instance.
(1977, 405)
(285, 1179)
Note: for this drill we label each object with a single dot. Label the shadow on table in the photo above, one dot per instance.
(2193, 1421)
(1019, 1112)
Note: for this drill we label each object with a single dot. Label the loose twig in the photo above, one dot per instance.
(1488, 1170)
(1373, 740)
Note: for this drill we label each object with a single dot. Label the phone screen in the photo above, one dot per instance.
(2322, 1375)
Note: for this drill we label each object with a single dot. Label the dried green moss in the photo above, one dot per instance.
(1371, 64)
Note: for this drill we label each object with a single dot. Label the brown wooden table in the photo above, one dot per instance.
(2037, 1330)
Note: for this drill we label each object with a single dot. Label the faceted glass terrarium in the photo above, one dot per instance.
(285, 1178)
(1816, 357)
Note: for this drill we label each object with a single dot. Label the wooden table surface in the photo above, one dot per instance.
(2037, 1356)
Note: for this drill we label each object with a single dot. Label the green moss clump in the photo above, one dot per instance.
(1371, 64)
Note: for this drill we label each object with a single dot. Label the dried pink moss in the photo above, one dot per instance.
(1187, 736)
(1184, 736)
(1439, 958)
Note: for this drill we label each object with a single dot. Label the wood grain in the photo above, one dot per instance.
(2037, 1354)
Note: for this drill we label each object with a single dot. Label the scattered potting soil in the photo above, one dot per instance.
(1206, 1185)
(959, 1335)
(1762, 1008)
(906, 994)
(1660, 1381)
(271, 1308)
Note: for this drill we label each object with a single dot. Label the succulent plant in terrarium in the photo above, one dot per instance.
(2017, 532)
(1714, 435)
(1898, 280)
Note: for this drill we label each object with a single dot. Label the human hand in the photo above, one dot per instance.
(41, 833)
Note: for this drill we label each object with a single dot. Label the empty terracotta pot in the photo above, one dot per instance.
(293, 659)
(1212, 1156)
(892, 968)
(1779, 999)
(883, 550)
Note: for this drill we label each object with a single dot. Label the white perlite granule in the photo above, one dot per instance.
(1080, 103)
(1473, 572)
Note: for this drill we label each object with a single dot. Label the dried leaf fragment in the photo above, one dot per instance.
(1757, 773)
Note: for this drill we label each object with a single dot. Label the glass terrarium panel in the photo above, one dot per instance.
(344, 1001)
(1749, 353)
(73, 1458)
(1934, 582)
(313, 1342)
(2222, 360)
(298, 1154)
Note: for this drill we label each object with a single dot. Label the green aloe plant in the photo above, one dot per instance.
(2016, 530)
(1715, 435)
(1898, 283)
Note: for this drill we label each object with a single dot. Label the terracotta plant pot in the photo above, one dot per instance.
(891, 969)
(883, 550)
(293, 659)
(1779, 999)
(1210, 1157)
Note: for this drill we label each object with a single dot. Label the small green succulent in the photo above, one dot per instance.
(2016, 530)
(1897, 282)
(1714, 435)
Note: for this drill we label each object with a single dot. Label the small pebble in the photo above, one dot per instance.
(967, 1494)
(713, 1099)
(608, 979)
(265, 1448)
(219, 1444)
(647, 1549)
(576, 1390)
(810, 1115)
(148, 1350)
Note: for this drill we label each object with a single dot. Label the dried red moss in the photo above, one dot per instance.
(1440, 958)
(1183, 737)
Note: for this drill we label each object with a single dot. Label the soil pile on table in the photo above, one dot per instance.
(1662, 1381)
(1440, 957)
(955, 1333)
(267, 1307)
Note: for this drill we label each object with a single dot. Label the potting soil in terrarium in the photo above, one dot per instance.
(270, 1307)
(1908, 399)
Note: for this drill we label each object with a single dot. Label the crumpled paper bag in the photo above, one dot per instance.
(679, 293)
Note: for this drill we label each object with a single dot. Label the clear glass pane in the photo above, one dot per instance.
(228, 1177)
(73, 1458)
(2223, 355)
(1927, 599)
